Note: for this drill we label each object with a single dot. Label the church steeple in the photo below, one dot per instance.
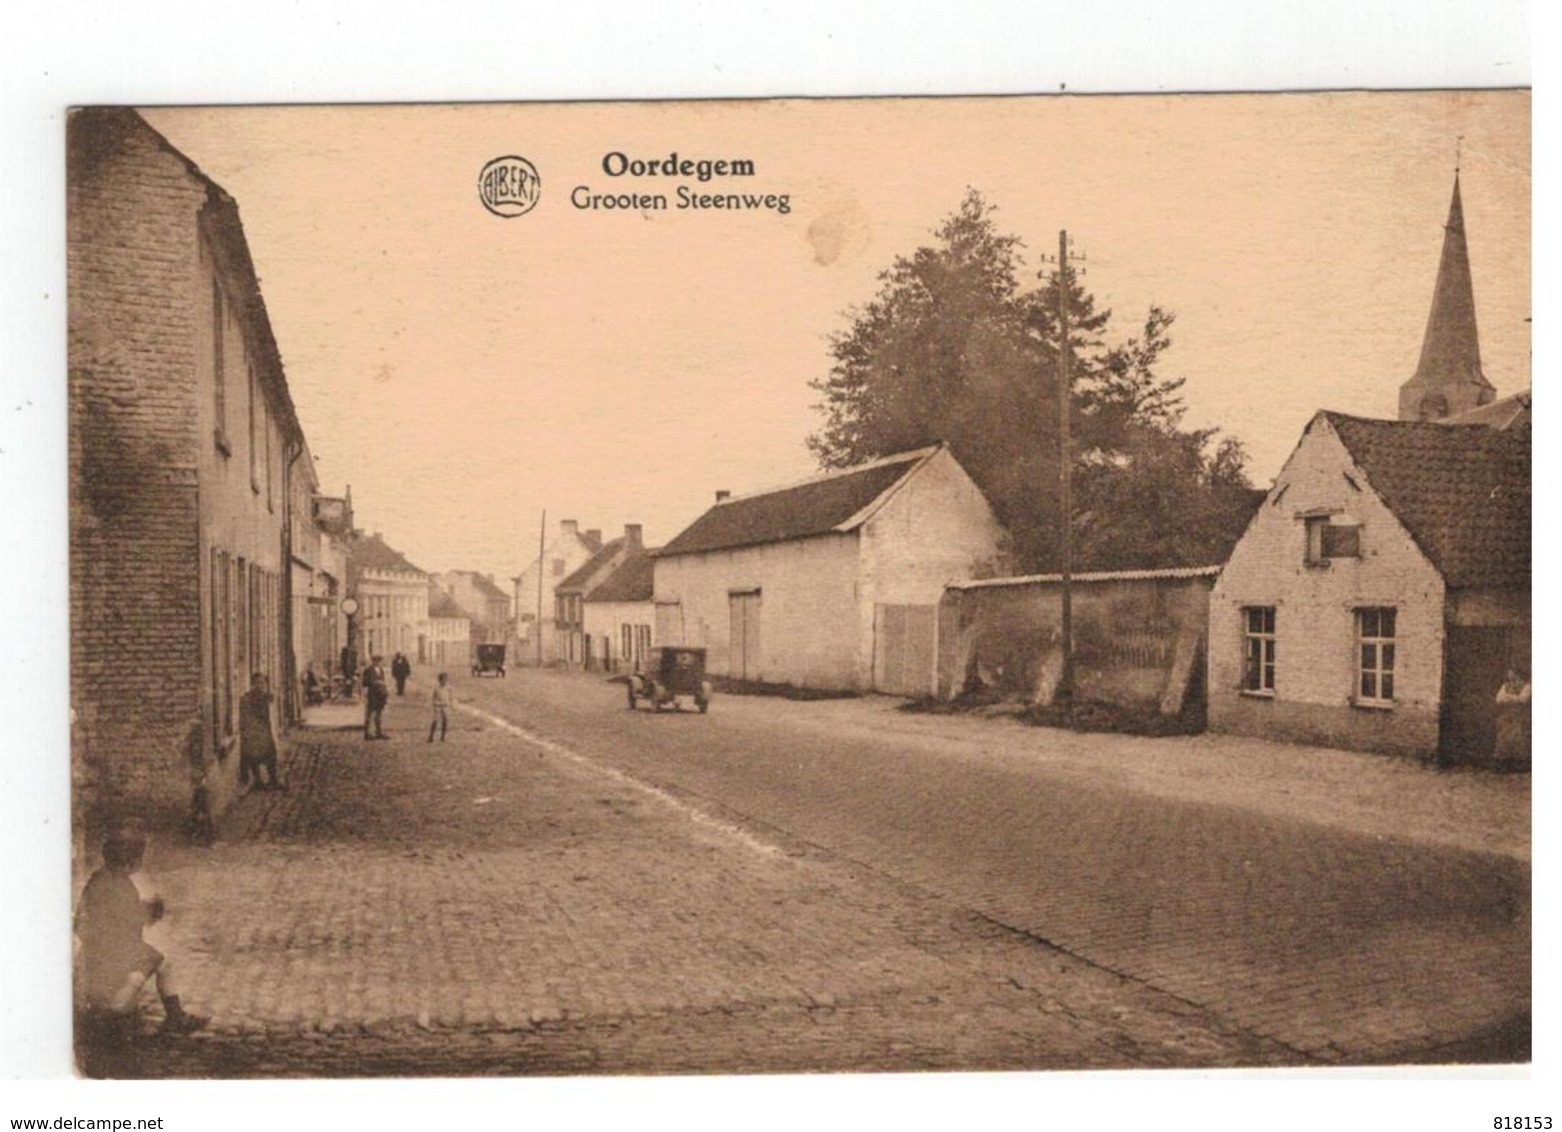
(1448, 379)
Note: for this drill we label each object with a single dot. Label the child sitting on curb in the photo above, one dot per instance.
(116, 962)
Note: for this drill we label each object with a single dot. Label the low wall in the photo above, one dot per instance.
(1138, 638)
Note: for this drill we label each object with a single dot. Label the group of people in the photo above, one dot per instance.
(377, 696)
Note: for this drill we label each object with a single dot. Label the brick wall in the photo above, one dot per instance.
(134, 571)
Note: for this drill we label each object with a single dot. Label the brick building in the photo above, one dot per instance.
(183, 453)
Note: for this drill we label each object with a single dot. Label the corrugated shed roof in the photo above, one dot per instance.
(1463, 492)
(586, 574)
(1171, 572)
(372, 552)
(632, 581)
(815, 507)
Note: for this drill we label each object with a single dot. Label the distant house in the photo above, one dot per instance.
(833, 582)
(392, 597)
(485, 603)
(321, 536)
(570, 595)
(448, 643)
(564, 553)
(620, 612)
(1380, 593)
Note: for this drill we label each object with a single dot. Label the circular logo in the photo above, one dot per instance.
(509, 186)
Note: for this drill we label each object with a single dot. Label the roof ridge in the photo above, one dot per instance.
(836, 473)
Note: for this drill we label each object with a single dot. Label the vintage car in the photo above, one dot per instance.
(488, 661)
(671, 674)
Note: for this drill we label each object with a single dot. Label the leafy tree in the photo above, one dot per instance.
(955, 348)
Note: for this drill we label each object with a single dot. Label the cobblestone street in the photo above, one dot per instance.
(488, 906)
(513, 902)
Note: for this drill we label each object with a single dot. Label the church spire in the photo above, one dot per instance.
(1448, 379)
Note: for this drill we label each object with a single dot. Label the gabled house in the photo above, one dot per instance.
(1383, 589)
(570, 595)
(449, 637)
(1379, 595)
(830, 583)
(562, 554)
(620, 611)
(487, 606)
(392, 596)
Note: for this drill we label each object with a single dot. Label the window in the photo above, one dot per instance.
(558, 567)
(219, 386)
(254, 453)
(1375, 655)
(1330, 537)
(1258, 670)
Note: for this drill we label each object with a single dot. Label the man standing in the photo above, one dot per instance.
(401, 668)
(376, 696)
(257, 736)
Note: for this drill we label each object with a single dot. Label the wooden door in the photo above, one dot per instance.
(743, 642)
(903, 649)
(1474, 664)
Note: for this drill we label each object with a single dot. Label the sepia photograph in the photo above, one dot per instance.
(776, 586)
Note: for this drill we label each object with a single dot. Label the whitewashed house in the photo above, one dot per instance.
(833, 582)
(537, 639)
(1379, 595)
(620, 612)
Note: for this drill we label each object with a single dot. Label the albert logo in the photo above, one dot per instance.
(509, 186)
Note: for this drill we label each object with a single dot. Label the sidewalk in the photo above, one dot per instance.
(1384, 795)
(341, 715)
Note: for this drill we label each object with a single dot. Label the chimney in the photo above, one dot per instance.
(722, 494)
(632, 536)
(594, 537)
(569, 527)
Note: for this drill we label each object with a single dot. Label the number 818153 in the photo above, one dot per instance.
(1521, 1123)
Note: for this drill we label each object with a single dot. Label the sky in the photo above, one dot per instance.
(463, 372)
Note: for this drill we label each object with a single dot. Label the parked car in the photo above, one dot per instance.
(488, 661)
(672, 674)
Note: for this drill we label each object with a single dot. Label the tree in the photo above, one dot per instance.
(955, 348)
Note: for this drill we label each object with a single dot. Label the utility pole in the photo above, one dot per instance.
(1064, 695)
(542, 548)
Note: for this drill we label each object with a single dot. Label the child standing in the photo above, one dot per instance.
(443, 697)
(116, 961)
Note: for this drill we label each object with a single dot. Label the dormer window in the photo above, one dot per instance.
(1331, 536)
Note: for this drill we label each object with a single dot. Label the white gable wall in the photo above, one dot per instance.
(809, 619)
(936, 529)
(1315, 628)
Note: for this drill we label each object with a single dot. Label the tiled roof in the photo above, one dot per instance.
(371, 552)
(482, 585)
(441, 604)
(1463, 492)
(815, 507)
(1505, 412)
(632, 581)
(584, 575)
